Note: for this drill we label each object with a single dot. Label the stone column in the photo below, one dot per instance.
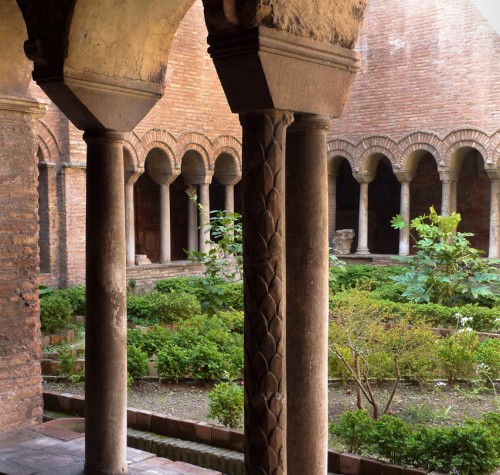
(454, 193)
(264, 135)
(307, 295)
(165, 241)
(404, 209)
(204, 234)
(130, 216)
(363, 214)
(106, 323)
(448, 194)
(494, 246)
(332, 205)
(404, 178)
(192, 223)
(229, 198)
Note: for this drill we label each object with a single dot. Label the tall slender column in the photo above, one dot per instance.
(204, 217)
(264, 136)
(363, 219)
(454, 186)
(446, 199)
(332, 205)
(229, 198)
(106, 322)
(165, 243)
(307, 295)
(130, 217)
(192, 223)
(494, 247)
(404, 209)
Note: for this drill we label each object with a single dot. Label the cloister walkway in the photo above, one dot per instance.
(45, 451)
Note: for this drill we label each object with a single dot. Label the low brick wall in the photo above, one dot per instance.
(146, 276)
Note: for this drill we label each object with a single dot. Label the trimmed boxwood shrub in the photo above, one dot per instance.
(162, 308)
(55, 313)
(137, 362)
(226, 404)
(367, 277)
(150, 340)
(76, 298)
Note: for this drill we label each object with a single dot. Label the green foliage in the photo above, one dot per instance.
(76, 298)
(370, 349)
(388, 438)
(150, 340)
(55, 313)
(162, 308)
(488, 358)
(202, 348)
(233, 320)
(471, 448)
(457, 354)
(67, 365)
(223, 262)
(445, 269)
(226, 404)
(137, 362)
(353, 430)
(483, 318)
(362, 276)
(210, 291)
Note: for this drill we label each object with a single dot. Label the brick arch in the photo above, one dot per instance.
(199, 143)
(230, 145)
(494, 157)
(343, 149)
(465, 138)
(133, 146)
(158, 138)
(371, 146)
(415, 142)
(48, 143)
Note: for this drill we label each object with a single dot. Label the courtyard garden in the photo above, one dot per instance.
(414, 353)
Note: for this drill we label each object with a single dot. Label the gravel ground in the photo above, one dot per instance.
(419, 404)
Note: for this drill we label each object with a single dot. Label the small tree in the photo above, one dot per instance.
(372, 345)
(446, 269)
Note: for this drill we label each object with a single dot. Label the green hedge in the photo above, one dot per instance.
(162, 308)
(367, 277)
(472, 448)
(55, 313)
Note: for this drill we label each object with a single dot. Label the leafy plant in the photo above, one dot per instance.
(223, 262)
(445, 269)
(137, 362)
(226, 404)
(388, 438)
(67, 365)
(55, 313)
(150, 340)
(353, 430)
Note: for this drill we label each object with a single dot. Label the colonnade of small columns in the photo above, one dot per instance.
(449, 180)
(198, 209)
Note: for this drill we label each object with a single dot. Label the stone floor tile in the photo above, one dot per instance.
(74, 469)
(12, 468)
(36, 459)
(136, 455)
(188, 469)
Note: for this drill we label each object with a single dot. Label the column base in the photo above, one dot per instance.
(363, 252)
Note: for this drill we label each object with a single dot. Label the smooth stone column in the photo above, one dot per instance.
(192, 223)
(454, 186)
(229, 198)
(307, 295)
(106, 320)
(404, 209)
(264, 137)
(494, 247)
(204, 234)
(165, 241)
(332, 206)
(130, 217)
(363, 219)
(446, 200)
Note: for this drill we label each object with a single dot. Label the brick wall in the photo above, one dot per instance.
(426, 65)
(20, 348)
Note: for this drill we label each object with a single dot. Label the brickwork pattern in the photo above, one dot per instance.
(20, 345)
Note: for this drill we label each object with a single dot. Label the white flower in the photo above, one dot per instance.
(458, 315)
(440, 384)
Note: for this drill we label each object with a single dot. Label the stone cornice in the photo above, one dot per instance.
(24, 105)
